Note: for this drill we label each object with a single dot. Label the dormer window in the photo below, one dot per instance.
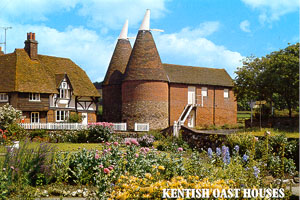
(64, 90)
(34, 97)
(3, 97)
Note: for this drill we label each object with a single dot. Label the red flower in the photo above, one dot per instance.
(4, 137)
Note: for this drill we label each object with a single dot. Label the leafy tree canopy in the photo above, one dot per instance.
(274, 78)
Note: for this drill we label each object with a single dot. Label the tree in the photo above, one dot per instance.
(274, 78)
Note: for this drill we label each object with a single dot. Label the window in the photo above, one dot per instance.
(204, 91)
(226, 93)
(64, 91)
(3, 97)
(34, 97)
(62, 115)
(35, 117)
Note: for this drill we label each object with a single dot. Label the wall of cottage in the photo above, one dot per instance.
(225, 111)
(21, 102)
(112, 103)
(145, 102)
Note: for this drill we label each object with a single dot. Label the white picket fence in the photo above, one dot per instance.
(67, 126)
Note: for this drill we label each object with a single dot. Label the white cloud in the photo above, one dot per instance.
(179, 48)
(100, 13)
(271, 10)
(204, 29)
(36, 10)
(112, 13)
(83, 46)
(245, 26)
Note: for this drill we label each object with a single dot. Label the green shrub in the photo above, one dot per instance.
(37, 133)
(75, 118)
(101, 132)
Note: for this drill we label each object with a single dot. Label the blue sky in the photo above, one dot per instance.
(207, 33)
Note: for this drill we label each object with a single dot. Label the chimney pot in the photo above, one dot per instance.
(31, 46)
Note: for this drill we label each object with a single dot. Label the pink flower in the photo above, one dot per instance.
(136, 155)
(110, 168)
(128, 142)
(107, 143)
(180, 149)
(12, 167)
(105, 151)
(97, 156)
(100, 166)
(116, 143)
(134, 141)
(106, 170)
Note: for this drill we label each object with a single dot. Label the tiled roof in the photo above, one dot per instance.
(118, 63)
(22, 74)
(144, 62)
(197, 75)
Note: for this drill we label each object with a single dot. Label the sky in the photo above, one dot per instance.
(205, 33)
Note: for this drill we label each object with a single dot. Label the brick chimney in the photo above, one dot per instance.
(31, 46)
(1, 52)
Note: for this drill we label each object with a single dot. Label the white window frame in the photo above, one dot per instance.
(34, 116)
(34, 97)
(3, 97)
(226, 93)
(64, 90)
(61, 118)
(204, 91)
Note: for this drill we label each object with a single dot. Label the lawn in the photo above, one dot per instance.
(274, 132)
(71, 147)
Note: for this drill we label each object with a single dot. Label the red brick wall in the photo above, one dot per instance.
(112, 103)
(92, 117)
(225, 109)
(145, 102)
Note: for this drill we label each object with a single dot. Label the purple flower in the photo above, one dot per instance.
(245, 157)
(209, 152)
(236, 148)
(225, 154)
(218, 151)
(256, 171)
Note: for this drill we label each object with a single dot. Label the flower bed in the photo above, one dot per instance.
(120, 170)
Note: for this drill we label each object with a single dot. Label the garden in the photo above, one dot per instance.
(97, 163)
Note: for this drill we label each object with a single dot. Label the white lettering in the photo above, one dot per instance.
(246, 193)
(216, 193)
(281, 193)
(166, 193)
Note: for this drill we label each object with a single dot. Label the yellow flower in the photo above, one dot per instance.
(161, 167)
(153, 166)
(148, 175)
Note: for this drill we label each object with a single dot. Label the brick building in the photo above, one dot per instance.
(139, 88)
(45, 88)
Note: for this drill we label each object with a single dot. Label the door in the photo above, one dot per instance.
(191, 119)
(84, 118)
(191, 95)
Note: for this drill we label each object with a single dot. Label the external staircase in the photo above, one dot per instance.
(185, 113)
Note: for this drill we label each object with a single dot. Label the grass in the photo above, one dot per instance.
(257, 132)
(71, 147)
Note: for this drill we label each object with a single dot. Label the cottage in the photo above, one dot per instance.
(139, 88)
(45, 88)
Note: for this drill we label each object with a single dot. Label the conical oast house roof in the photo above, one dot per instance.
(144, 62)
(119, 59)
